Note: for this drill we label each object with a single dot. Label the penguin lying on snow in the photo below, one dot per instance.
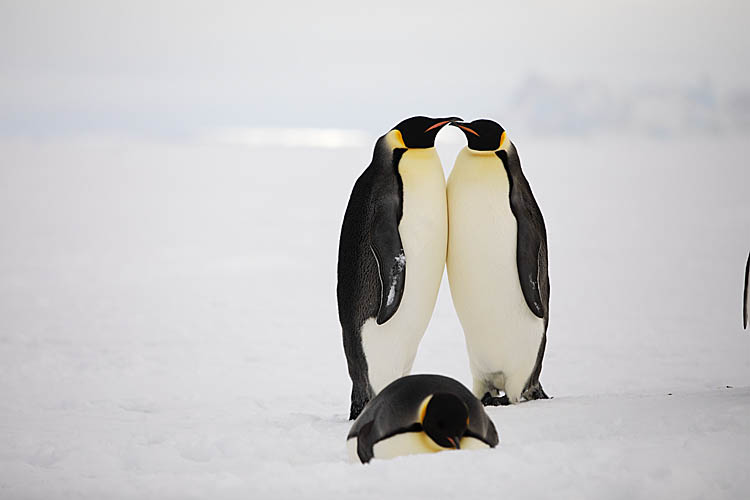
(497, 266)
(392, 256)
(420, 414)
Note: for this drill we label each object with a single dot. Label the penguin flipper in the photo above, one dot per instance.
(388, 250)
(364, 443)
(531, 251)
(747, 294)
(531, 259)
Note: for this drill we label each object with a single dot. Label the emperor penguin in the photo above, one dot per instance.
(497, 266)
(392, 256)
(420, 414)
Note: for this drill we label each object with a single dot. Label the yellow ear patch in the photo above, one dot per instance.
(502, 139)
(423, 408)
(395, 139)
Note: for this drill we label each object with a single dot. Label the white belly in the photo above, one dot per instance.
(390, 348)
(409, 443)
(502, 334)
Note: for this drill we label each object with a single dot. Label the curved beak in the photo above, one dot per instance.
(465, 127)
(442, 122)
(455, 441)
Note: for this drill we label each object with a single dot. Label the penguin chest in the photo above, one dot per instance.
(390, 348)
(502, 334)
(405, 443)
(409, 443)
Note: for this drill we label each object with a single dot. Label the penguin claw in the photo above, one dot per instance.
(535, 392)
(488, 400)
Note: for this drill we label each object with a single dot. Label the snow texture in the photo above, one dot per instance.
(168, 326)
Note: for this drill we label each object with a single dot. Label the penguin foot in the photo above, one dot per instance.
(488, 400)
(535, 392)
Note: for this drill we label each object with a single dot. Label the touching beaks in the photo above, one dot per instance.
(463, 126)
(442, 122)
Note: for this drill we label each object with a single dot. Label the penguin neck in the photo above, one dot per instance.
(421, 154)
(474, 152)
(418, 165)
(506, 146)
(477, 160)
(482, 171)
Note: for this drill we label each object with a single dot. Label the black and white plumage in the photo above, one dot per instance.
(497, 266)
(420, 414)
(392, 256)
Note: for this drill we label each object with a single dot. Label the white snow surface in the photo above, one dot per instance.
(168, 326)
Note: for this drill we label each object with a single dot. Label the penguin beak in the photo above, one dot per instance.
(442, 122)
(463, 126)
(455, 441)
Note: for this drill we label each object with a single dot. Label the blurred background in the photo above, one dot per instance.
(182, 69)
(172, 184)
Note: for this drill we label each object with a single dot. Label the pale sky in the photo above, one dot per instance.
(171, 68)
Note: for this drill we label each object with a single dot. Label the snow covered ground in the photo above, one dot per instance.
(168, 325)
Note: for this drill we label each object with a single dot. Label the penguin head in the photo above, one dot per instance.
(483, 135)
(419, 132)
(445, 419)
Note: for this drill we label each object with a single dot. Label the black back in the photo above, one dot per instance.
(394, 411)
(371, 264)
(531, 255)
(531, 249)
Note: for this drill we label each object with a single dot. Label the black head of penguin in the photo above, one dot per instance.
(420, 131)
(483, 135)
(445, 420)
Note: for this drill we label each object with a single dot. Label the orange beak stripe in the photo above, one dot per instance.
(468, 130)
(438, 124)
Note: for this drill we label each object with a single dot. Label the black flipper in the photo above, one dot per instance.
(531, 257)
(389, 253)
(531, 246)
(747, 297)
(364, 443)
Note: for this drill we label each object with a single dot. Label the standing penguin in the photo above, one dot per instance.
(391, 256)
(420, 414)
(497, 266)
